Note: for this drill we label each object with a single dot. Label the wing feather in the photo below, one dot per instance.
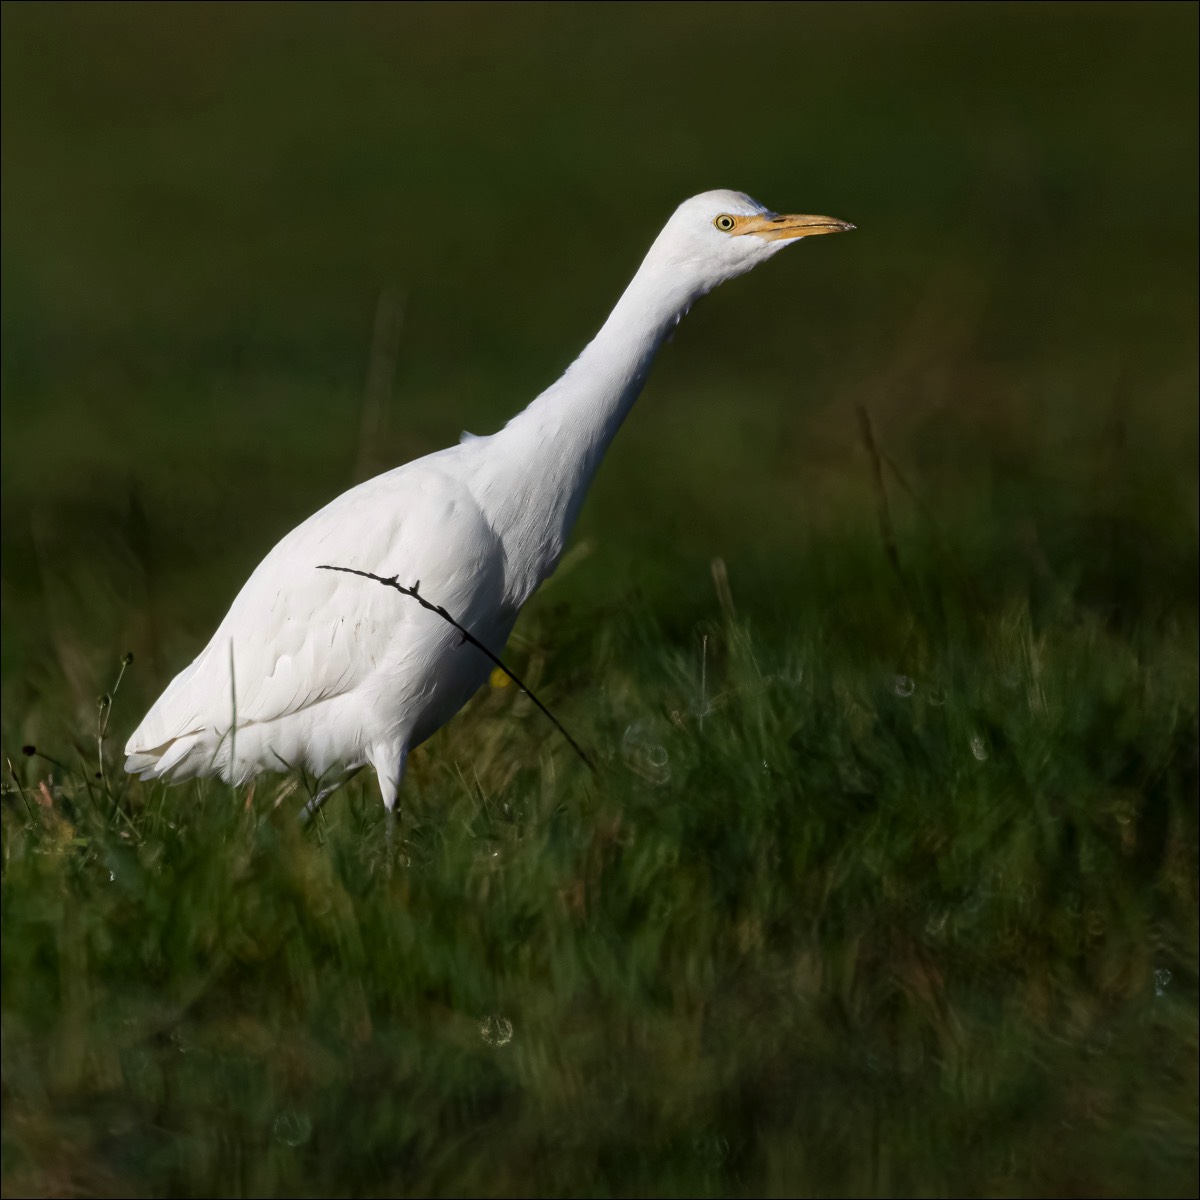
(296, 636)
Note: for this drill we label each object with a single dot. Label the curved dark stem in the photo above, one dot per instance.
(466, 635)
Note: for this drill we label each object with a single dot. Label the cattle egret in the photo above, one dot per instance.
(323, 670)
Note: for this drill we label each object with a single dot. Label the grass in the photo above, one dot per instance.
(887, 882)
(817, 926)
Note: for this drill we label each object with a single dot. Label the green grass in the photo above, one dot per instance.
(814, 927)
(887, 882)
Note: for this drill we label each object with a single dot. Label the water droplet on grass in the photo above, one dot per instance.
(1162, 980)
(292, 1128)
(978, 748)
(903, 686)
(496, 1031)
(936, 696)
(644, 756)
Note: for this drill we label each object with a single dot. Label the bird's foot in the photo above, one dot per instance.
(313, 807)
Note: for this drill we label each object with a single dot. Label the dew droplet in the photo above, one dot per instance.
(1162, 980)
(978, 748)
(936, 696)
(903, 686)
(496, 1031)
(292, 1128)
(644, 756)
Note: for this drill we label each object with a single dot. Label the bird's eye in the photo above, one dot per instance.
(725, 222)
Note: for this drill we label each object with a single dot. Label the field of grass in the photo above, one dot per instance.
(887, 880)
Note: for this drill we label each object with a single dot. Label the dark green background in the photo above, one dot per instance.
(202, 205)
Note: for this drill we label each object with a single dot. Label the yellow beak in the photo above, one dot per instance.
(775, 228)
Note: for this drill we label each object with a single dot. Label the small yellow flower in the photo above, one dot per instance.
(498, 679)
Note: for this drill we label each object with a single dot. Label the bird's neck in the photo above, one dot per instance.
(551, 450)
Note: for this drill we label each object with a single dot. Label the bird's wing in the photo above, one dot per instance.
(297, 635)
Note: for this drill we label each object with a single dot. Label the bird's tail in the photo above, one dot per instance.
(171, 758)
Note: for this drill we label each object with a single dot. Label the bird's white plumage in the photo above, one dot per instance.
(318, 669)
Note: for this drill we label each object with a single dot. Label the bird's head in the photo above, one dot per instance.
(720, 235)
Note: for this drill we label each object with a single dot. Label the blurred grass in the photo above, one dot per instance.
(815, 929)
(809, 941)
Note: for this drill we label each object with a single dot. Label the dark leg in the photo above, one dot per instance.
(313, 807)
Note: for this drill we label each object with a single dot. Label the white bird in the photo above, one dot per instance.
(321, 670)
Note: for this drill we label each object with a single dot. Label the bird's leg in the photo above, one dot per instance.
(311, 809)
(389, 763)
